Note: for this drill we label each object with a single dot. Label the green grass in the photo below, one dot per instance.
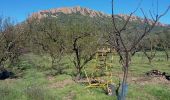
(35, 85)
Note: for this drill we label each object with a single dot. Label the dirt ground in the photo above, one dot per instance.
(148, 80)
(60, 84)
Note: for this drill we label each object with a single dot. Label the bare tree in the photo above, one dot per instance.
(149, 48)
(82, 54)
(81, 38)
(126, 48)
(166, 50)
(164, 43)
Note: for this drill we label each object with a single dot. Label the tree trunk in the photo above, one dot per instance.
(52, 62)
(150, 60)
(79, 73)
(123, 91)
(1, 66)
(167, 55)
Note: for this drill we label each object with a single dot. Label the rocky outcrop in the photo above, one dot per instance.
(68, 10)
(86, 12)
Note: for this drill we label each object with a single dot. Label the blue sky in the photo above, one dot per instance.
(20, 9)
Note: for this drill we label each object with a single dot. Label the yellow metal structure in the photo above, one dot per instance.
(101, 64)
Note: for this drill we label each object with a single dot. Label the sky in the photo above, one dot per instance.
(19, 10)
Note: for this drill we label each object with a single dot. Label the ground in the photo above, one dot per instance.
(36, 84)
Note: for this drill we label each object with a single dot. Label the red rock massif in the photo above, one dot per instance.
(86, 12)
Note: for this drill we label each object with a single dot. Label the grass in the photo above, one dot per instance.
(36, 85)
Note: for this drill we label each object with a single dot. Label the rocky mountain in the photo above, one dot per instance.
(142, 20)
(69, 10)
(86, 12)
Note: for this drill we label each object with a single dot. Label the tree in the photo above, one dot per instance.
(82, 42)
(81, 57)
(11, 44)
(165, 42)
(125, 48)
(149, 47)
(46, 34)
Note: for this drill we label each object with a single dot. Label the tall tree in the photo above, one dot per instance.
(125, 48)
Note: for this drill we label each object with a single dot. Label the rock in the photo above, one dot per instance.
(155, 73)
(158, 73)
(4, 74)
(167, 77)
(68, 10)
(111, 90)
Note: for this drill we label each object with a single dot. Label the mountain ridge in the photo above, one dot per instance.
(69, 10)
(54, 12)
